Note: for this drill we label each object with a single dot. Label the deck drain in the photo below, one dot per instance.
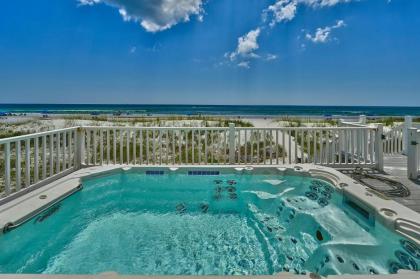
(42, 197)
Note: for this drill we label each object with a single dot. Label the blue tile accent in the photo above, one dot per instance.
(200, 172)
(155, 172)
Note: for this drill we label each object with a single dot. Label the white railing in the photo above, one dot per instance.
(35, 159)
(394, 140)
(155, 146)
(166, 146)
(50, 155)
(413, 153)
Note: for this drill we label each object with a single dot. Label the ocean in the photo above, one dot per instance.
(224, 110)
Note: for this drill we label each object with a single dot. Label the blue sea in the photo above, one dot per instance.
(223, 110)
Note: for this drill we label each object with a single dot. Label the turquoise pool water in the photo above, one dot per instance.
(204, 223)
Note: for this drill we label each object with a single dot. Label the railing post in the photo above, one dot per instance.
(362, 119)
(379, 152)
(232, 149)
(408, 122)
(412, 153)
(80, 147)
(7, 168)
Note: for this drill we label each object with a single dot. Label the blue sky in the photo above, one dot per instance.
(302, 52)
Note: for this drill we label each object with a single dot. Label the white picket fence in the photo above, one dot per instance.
(33, 160)
(413, 156)
(394, 140)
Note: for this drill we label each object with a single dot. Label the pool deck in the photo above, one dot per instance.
(396, 168)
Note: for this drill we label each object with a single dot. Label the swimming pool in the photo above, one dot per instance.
(206, 221)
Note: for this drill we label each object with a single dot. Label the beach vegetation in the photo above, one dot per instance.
(387, 121)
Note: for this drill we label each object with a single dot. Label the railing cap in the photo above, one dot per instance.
(35, 135)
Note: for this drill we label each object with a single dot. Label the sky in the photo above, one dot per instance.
(246, 52)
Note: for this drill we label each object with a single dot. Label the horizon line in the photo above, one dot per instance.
(224, 105)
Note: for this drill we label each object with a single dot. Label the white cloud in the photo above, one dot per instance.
(244, 64)
(282, 10)
(247, 44)
(322, 35)
(286, 10)
(133, 50)
(323, 3)
(246, 50)
(271, 57)
(154, 15)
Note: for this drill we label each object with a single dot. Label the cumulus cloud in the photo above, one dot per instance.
(246, 50)
(322, 35)
(247, 44)
(286, 10)
(282, 10)
(154, 15)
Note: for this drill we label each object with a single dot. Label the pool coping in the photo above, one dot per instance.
(24, 207)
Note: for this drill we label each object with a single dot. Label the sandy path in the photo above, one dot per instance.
(269, 123)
